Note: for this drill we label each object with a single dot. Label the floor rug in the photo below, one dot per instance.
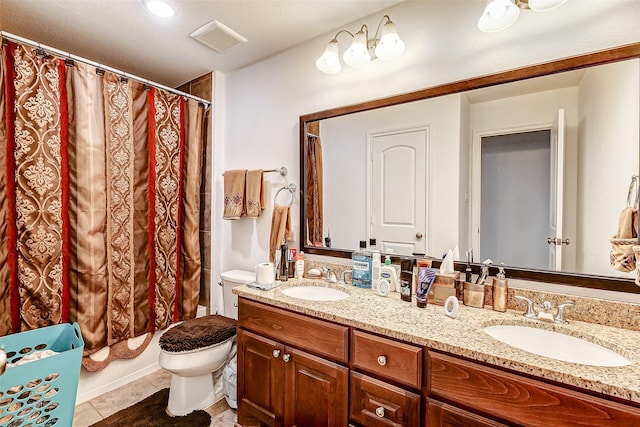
(150, 412)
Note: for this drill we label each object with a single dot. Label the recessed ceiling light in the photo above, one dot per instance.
(160, 8)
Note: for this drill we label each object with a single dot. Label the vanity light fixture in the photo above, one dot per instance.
(160, 8)
(388, 46)
(501, 14)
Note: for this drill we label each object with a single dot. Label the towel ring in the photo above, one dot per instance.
(291, 188)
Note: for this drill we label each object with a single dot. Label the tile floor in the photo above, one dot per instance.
(109, 403)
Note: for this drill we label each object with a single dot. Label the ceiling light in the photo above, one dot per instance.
(160, 8)
(363, 50)
(501, 14)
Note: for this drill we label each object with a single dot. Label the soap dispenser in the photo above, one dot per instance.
(500, 290)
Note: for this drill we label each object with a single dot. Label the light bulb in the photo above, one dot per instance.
(329, 62)
(160, 8)
(357, 55)
(390, 46)
(498, 15)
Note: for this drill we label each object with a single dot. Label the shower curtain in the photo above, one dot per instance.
(314, 191)
(99, 202)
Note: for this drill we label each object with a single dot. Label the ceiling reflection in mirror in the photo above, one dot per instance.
(464, 170)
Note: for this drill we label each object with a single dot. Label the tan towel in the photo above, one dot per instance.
(254, 201)
(621, 256)
(280, 229)
(234, 182)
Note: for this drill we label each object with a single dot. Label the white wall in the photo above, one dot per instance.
(264, 100)
(344, 146)
(608, 105)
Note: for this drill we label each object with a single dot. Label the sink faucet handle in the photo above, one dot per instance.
(530, 313)
(559, 319)
(343, 279)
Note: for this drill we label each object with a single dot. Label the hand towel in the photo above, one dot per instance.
(280, 229)
(234, 187)
(254, 200)
(622, 257)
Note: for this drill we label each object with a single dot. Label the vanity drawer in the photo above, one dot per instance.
(306, 333)
(520, 400)
(442, 415)
(375, 403)
(386, 358)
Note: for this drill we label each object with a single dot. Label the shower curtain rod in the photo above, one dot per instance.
(68, 55)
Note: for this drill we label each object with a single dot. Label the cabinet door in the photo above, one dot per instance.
(442, 415)
(315, 391)
(260, 374)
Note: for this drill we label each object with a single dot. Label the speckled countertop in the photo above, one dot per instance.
(464, 335)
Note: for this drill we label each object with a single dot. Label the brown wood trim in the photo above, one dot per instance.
(316, 336)
(566, 64)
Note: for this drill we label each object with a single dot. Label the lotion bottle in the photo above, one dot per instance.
(500, 290)
(388, 273)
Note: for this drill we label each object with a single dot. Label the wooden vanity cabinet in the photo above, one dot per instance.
(281, 384)
(469, 387)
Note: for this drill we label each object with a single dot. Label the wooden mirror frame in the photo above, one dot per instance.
(621, 53)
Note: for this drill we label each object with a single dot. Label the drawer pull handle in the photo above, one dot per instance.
(380, 411)
(286, 357)
(382, 360)
(276, 353)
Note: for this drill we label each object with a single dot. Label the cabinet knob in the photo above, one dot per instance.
(276, 353)
(380, 411)
(286, 357)
(382, 360)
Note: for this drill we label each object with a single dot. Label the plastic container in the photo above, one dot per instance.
(300, 265)
(361, 276)
(43, 391)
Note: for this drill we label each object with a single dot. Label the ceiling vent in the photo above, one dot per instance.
(217, 36)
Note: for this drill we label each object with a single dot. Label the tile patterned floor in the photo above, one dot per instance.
(109, 403)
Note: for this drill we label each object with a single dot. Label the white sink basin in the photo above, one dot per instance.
(315, 293)
(556, 346)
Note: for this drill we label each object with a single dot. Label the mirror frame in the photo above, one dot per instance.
(616, 54)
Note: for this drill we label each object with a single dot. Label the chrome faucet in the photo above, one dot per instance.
(530, 313)
(543, 313)
(559, 319)
(329, 275)
(343, 277)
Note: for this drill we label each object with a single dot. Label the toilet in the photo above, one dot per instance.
(196, 352)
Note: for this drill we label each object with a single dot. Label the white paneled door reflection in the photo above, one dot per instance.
(398, 190)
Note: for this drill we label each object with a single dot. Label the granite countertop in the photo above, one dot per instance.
(464, 335)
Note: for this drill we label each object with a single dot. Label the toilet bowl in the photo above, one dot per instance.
(196, 352)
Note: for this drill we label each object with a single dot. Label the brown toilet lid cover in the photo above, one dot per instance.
(198, 333)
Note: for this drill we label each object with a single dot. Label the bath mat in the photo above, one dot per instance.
(150, 412)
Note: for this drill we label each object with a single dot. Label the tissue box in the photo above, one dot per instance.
(439, 293)
(447, 279)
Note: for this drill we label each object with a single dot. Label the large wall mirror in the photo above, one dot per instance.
(530, 167)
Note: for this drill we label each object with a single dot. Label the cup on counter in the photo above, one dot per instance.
(473, 295)
(265, 273)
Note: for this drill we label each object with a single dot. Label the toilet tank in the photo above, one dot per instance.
(228, 281)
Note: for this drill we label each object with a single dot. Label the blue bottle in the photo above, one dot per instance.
(362, 267)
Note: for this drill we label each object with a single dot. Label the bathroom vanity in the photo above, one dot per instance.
(379, 361)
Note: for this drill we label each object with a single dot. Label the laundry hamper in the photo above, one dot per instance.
(41, 392)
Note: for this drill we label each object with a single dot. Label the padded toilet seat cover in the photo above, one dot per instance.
(198, 333)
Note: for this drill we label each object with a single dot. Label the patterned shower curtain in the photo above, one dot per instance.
(314, 191)
(99, 201)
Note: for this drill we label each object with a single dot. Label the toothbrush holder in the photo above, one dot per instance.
(473, 295)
